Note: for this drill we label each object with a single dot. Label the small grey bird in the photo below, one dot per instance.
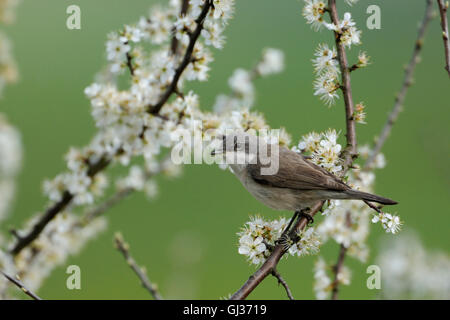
(297, 184)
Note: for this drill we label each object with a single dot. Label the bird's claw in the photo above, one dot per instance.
(307, 216)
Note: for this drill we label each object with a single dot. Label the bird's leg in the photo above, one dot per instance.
(289, 237)
(284, 239)
(296, 213)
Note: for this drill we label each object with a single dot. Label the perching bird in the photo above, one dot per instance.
(297, 184)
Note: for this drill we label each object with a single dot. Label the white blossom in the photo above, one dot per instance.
(313, 12)
(391, 223)
(410, 271)
(326, 86)
(324, 149)
(308, 244)
(223, 9)
(212, 33)
(322, 282)
(326, 60)
(346, 28)
(272, 62)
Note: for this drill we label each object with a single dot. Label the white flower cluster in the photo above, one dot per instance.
(391, 223)
(258, 236)
(127, 127)
(140, 179)
(348, 34)
(409, 271)
(378, 163)
(272, 62)
(359, 115)
(326, 67)
(308, 244)
(63, 237)
(10, 149)
(313, 12)
(323, 284)
(347, 222)
(10, 163)
(326, 63)
(323, 148)
(241, 82)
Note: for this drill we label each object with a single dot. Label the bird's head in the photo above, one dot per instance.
(238, 143)
(240, 149)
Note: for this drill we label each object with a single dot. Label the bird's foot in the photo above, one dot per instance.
(285, 241)
(308, 217)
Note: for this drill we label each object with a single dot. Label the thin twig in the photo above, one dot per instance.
(130, 63)
(400, 98)
(123, 248)
(118, 196)
(21, 286)
(101, 164)
(351, 151)
(340, 262)
(193, 37)
(443, 7)
(345, 85)
(336, 270)
(67, 197)
(107, 204)
(174, 43)
(283, 282)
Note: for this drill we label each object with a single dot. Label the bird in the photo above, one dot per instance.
(296, 185)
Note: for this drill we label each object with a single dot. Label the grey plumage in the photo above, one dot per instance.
(297, 184)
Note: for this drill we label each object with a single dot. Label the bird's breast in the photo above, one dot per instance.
(275, 198)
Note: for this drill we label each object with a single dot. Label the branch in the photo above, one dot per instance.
(121, 194)
(350, 152)
(443, 7)
(123, 248)
(107, 204)
(338, 266)
(193, 37)
(130, 63)
(183, 11)
(337, 269)
(283, 282)
(272, 261)
(93, 169)
(21, 286)
(67, 197)
(400, 98)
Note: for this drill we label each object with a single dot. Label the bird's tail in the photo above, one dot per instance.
(354, 194)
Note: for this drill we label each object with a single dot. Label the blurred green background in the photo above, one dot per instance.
(187, 236)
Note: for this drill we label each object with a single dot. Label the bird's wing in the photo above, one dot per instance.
(297, 173)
